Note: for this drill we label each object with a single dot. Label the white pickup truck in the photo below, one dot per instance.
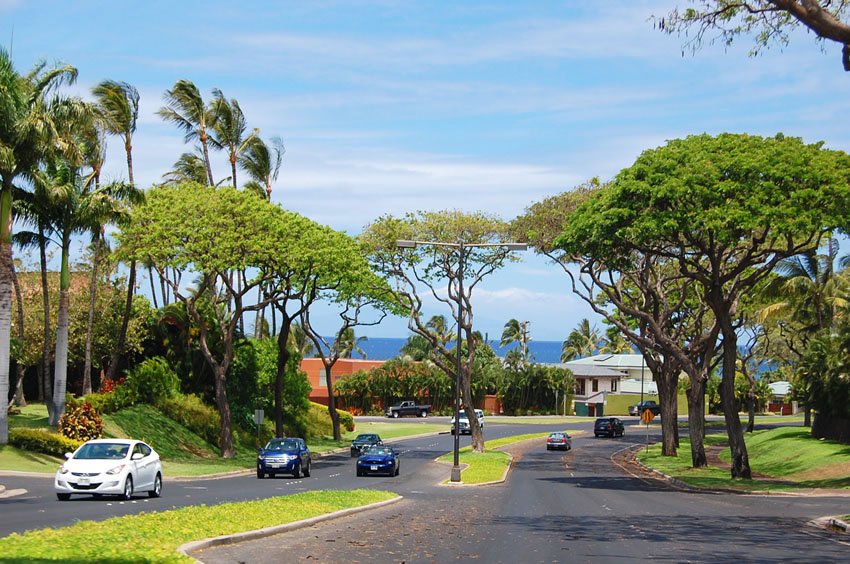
(464, 427)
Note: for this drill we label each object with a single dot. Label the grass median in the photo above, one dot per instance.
(155, 537)
(488, 466)
(781, 459)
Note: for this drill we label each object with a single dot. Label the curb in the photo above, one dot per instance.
(193, 546)
(832, 524)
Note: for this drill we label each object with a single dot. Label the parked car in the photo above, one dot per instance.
(121, 467)
(608, 426)
(558, 441)
(640, 407)
(378, 459)
(284, 456)
(408, 408)
(364, 441)
(465, 427)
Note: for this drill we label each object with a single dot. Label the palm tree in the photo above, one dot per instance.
(299, 339)
(185, 108)
(615, 342)
(27, 135)
(262, 163)
(349, 344)
(118, 110)
(189, 167)
(582, 341)
(517, 332)
(118, 113)
(228, 131)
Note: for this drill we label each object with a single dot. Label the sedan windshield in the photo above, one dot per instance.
(366, 438)
(379, 450)
(102, 451)
(282, 445)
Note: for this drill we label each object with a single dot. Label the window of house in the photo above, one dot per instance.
(595, 385)
(323, 378)
(613, 385)
(581, 390)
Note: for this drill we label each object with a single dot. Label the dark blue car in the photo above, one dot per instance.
(284, 456)
(378, 459)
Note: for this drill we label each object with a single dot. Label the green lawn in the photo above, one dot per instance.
(18, 460)
(155, 537)
(33, 416)
(536, 419)
(490, 465)
(788, 454)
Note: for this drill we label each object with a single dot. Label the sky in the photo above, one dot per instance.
(387, 107)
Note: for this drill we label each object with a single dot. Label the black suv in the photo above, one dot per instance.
(639, 408)
(608, 426)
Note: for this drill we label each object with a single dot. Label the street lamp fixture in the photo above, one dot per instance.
(461, 247)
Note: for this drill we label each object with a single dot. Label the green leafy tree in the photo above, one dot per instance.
(471, 248)
(725, 210)
(212, 232)
(770, 22)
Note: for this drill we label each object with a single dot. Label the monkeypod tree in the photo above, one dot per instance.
(219, 235)
(457, 251)
(725, 210)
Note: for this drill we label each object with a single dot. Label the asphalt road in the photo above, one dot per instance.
(39, 508)
(554, 507)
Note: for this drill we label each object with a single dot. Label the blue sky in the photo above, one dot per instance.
(387, 107)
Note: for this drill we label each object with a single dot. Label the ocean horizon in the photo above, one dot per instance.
(385, 348)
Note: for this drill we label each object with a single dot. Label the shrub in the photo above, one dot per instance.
(317, 421)
(153, 381)
(117, 398)
(81, 423)
(39, 440)
(109, 385)
(194, 414)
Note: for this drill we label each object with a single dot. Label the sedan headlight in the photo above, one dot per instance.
(116, 470)
(63, 470)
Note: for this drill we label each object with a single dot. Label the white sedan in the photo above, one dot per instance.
(110, 467)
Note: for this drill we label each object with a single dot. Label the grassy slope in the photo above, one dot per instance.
(183, 452)
(789, 454)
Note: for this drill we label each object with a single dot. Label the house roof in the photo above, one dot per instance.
(614, 361)
(590, 371)
(781, 388)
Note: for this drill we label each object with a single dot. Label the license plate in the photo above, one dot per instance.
(84, 481)
(275, 465)
(374, 467)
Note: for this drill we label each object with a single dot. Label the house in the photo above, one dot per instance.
(609, 383)
(318, 377)
(778, 403)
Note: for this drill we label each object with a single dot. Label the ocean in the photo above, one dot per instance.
(383, 348)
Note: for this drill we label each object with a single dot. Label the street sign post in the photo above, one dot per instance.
(647, 416)
(259, 417)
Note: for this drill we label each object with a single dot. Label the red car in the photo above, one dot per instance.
(558, 441)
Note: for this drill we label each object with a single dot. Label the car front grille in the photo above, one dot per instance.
(84, 487)
(85, 474)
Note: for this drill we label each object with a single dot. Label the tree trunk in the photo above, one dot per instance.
(153, 287)
(122, 335)
(60, 366)
(6, 270)
(474, 424)
(807, 416)
(282, 360)
(668, 399)
(19, 399)
(696, 421)
(737, 446)
(226, 435)
(751, 414)
(46, 387)
(90, 324)
(332, 403)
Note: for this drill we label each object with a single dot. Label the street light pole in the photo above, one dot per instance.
(461, 247)
(456, 465)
